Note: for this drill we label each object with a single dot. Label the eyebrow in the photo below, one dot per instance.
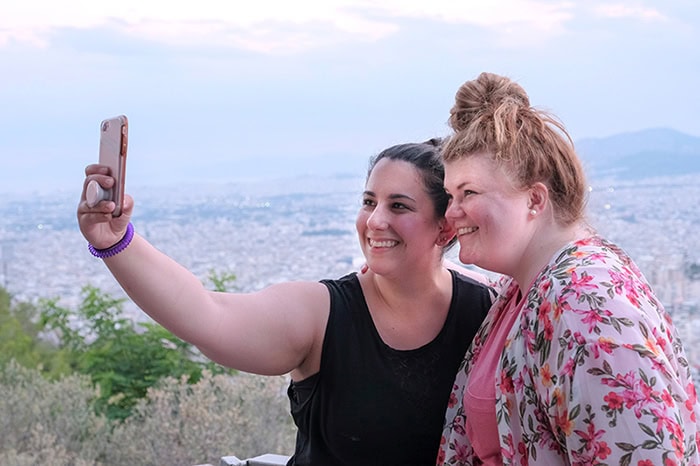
(460, 186)
(391, 196)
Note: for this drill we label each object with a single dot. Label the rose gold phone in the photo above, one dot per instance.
(114, 134)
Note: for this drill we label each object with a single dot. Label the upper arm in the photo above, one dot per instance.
(271, 331)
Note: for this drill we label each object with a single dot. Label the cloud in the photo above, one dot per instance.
(269, 25)
(541, 15)
(619, 10)
(260, 25)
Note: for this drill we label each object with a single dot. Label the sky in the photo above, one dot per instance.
(222, 90)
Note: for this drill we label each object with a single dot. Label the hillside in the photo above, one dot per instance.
(642, 154)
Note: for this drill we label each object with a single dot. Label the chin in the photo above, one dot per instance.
(466, 259)
(379, 269)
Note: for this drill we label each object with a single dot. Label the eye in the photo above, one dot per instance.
(399, 206)
(368, 202)
(468, 192)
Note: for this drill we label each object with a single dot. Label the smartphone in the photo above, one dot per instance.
(114, 138)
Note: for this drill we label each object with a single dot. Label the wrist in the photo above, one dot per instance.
(117, 247)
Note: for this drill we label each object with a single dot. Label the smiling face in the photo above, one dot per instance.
(489, 213)
(397, 225)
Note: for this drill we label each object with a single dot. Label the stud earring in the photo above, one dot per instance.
(533, 212)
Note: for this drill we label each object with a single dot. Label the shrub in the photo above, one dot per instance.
(53, 420)
(220, 415)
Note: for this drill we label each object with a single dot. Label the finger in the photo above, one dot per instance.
(102, 207)
(94, 218)
(97, 168)
(127, 207)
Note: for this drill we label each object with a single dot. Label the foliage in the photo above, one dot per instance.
(20, 340)
(121, 392)
(184, 424)
(122, 356)
(177, 423)
(222, 281)
(47, 422)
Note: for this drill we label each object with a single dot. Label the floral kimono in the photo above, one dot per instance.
(592, 373)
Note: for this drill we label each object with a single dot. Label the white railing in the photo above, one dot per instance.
(263, 460)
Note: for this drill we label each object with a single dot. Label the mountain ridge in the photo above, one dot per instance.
(632, 155)
(653, 152)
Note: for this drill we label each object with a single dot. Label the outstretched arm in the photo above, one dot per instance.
(271, 331)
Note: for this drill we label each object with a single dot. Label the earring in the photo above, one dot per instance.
(533, 212)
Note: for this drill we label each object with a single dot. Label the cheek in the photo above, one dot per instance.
(484, 218)
(476, 212)
(361, 221)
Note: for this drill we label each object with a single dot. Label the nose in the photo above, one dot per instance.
(378, 220)
(453, 211)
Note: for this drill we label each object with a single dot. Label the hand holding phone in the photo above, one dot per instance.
(114, 134)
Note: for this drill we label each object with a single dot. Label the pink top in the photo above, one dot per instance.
(480, 395)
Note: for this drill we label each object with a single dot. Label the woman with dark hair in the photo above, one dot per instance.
(372, 356)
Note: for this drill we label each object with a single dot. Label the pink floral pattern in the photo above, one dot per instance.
(593, 371)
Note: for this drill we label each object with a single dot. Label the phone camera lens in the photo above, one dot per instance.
(105, 125)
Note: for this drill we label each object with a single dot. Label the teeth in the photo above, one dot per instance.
(383, 244)
(465, 230)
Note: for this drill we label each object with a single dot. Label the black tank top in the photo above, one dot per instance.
(371, 404)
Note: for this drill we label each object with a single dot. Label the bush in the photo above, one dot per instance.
(47, 422)
(53, 422)
(185, 424)
(118, 407)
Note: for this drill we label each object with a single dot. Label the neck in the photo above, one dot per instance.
(408, 313)
(540, 251)
(408, 290)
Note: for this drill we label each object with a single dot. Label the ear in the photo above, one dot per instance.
(447, 232)
(538, 197)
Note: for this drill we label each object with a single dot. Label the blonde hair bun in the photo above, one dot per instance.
(486, 96)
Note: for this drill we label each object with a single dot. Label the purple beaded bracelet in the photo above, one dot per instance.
(116, 248)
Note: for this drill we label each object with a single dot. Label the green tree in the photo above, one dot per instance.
(123, 357)
(20, 338)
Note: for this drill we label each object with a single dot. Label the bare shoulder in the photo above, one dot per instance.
(303, 305)
(304, 293)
